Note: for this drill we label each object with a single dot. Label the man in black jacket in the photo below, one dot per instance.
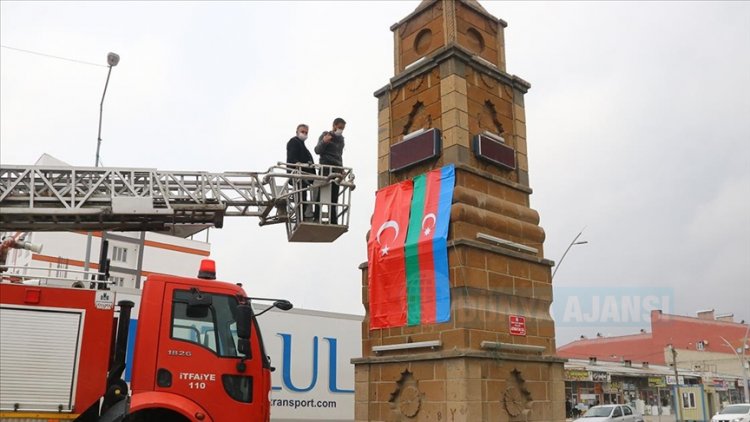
(297, 153)
(331, 149)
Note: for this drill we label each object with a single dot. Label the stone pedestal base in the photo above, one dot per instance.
(456, 386)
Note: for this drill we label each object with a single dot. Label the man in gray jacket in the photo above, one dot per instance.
(330, 148)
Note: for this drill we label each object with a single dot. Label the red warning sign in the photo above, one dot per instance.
(517, 325)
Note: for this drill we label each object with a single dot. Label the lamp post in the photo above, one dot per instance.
(112, 60)
(574, 242)
(742, 361)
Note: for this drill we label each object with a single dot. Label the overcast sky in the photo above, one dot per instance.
(638, 126)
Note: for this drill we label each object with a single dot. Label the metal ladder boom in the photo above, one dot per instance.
(49, 198)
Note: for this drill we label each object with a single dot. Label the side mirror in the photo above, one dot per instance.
(244, 326)
(284, 305)
(281, 304)
(243, 346)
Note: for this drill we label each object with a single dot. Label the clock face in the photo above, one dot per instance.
(513, 401)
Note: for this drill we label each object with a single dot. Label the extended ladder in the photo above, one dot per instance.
(49, 198)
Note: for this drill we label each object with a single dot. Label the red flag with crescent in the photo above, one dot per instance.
(385, 256)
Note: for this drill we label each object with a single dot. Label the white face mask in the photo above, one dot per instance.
(302, 136)
(338, 132)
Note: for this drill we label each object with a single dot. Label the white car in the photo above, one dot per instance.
(733, 413)
(610, 413)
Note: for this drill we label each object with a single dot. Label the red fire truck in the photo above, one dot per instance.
(198, 352)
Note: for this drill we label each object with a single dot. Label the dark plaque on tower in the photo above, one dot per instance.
(415, 149)
(491, 149)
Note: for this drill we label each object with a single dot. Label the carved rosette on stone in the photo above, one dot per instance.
(406, 399)
(517, 398)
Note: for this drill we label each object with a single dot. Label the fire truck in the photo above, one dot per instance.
(198, 354)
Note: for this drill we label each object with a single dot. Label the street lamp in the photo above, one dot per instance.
(574, 242)
(112, 60)
(742, 361)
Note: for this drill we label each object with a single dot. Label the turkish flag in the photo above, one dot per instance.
(385, 256)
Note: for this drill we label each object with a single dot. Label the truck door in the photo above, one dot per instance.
(198, 354)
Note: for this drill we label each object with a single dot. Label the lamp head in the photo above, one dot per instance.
(113, 59)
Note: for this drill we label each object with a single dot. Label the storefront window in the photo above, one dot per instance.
(688, 400)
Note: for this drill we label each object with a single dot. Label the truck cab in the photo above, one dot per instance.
(197, 353)
(191, 359)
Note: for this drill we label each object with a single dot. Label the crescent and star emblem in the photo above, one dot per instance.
(428, 230)
(390, 224)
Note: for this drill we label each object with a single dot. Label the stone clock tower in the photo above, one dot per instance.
(451, 101)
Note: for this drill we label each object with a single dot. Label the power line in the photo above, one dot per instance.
(51, 56)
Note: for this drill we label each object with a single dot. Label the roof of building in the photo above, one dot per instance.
(635, 347)
(48, 160)
(682, 332)
(473, 4)
(610, 339)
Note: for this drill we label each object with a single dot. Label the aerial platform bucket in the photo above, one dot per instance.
(314, 214)
(316, 233)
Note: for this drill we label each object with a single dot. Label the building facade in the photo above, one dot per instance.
(707, 349)
(703, 343)
(133, 256)
(649, 389)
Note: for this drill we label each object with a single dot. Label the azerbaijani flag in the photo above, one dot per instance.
(385, 255)
(408, 268)
(427, 281)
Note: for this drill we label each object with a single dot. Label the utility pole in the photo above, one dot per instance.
(678, 405)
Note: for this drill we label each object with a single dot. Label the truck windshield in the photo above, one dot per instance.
(214, 329)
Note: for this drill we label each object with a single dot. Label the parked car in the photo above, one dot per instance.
(610, 413)
(733, 413)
